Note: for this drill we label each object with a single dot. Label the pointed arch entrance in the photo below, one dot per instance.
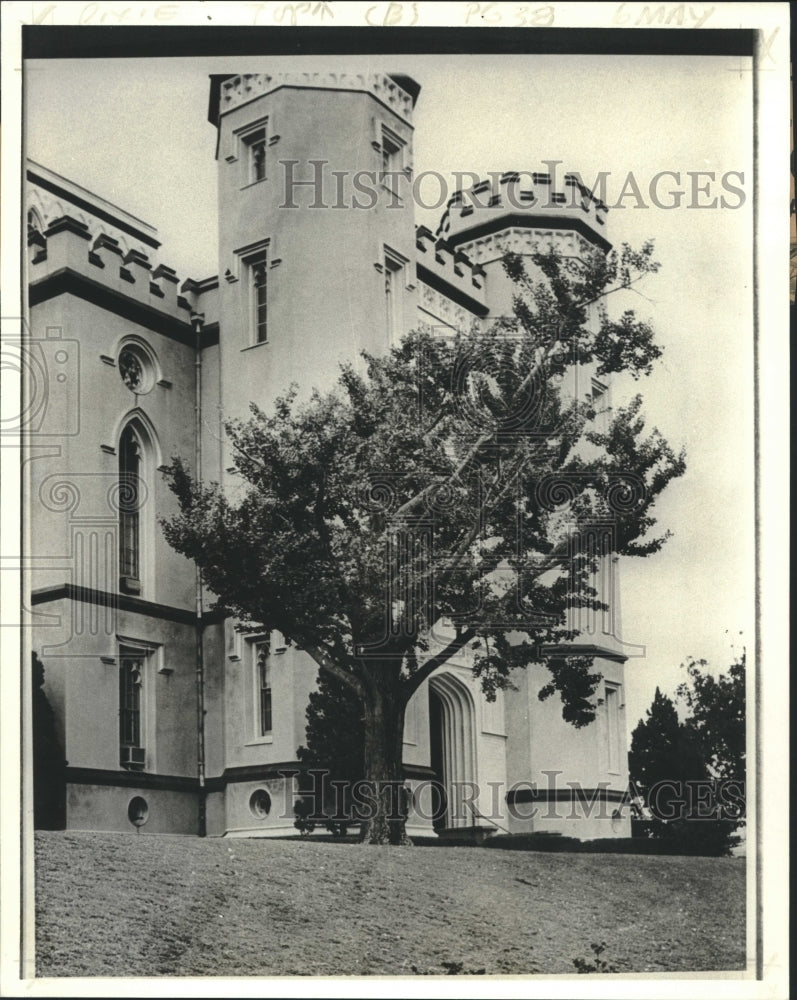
(452, 734)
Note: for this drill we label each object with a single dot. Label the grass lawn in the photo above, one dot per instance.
(147, 905)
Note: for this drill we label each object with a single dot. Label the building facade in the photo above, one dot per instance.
(170, 719)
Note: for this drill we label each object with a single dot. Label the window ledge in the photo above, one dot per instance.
(253, 183)
(251, 347)
(262, 741)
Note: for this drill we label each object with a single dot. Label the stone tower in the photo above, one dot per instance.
(316, 230)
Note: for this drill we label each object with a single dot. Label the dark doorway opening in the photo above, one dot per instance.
(437, 761)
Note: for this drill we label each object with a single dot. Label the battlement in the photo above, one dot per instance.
(67, 258)
(82, 243)
(525, 200)
(450, 271)
(398, 93)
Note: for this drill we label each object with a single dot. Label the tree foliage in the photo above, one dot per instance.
(663, 750)
(429, 503)
(334, 750)
(691, 773)
(717, 714)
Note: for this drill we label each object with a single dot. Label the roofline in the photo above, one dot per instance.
(99, 207)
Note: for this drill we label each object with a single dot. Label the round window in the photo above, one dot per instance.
(136, 369)
(260, 803)
(138, 811)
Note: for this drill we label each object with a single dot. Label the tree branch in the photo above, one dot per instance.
(325, 662)
(430, 665)
(466, 461)
(245, 453)
(323, 531)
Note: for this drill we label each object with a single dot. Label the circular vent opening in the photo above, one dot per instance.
(260, 803)
(138, 811)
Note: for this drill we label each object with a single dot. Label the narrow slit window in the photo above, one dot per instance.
(264, 689)
(392, 159)
(394, 296)
(259, 276)
(131, 673)
(129, 505)
(256, 155)
(613, 728)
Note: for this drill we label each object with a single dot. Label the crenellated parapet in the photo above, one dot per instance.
(451, 285)
(395, 93)
(81, 244)
(522, 201)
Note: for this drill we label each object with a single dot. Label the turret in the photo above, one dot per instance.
(524, 212)
(316, 230)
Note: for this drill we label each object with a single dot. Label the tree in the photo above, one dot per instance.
(49, 781)
(717, 715)
(692, 772)
(663, 757)
(335, 747)
(444, 482)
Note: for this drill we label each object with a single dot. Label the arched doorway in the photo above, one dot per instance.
(453, 750)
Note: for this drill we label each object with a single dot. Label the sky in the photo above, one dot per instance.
(136, 132)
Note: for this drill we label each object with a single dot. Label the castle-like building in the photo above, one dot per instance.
(170, 719)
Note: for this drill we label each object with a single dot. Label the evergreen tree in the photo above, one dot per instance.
(691, 773)
(334, 754)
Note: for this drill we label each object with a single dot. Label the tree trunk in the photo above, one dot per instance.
(382, 796)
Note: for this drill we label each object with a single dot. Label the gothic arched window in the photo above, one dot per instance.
(130, 498)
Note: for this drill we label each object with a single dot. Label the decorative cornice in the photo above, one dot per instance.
(131, 779)
(577, 794)
(239, 90)
(451, 291)
(68, 281)
(517, 220)
(583, 649)
(122, 602)
(181, 783)
(36, 177)
(253, 772)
